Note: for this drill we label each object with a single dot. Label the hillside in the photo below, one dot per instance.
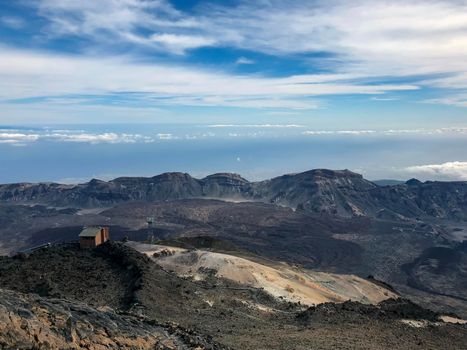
(422, 260)
(156, 308)
(279, 280)
(237, 259)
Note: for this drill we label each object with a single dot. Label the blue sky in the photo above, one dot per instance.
(355, 72)
(331, 63)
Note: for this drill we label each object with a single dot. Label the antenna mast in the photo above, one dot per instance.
(150, 221)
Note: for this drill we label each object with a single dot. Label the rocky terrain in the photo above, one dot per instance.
(32, 322)
(153, 308)
(342, 193)
(403, 253)
(245, 258)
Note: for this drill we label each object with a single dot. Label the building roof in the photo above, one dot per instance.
(90, 232)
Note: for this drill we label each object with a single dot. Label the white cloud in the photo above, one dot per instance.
(445, 171)
(459, 100)
(279, 102)
(390, 132)
(25, 74)
(338, 132)
(399, 36)
(166, 137)
(180, 43)
(411, 39)
(153, 23)
(25, 137)
(255, 126)
(383, 38)
(244, 60)
(15, 137)
(94, 138)
(384, 99)
(368, 42)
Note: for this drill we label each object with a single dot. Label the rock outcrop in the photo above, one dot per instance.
(33, 322)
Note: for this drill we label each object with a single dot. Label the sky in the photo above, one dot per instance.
(336, 68)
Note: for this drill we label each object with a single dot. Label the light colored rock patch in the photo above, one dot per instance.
(450, 319)
(280, 280)
(416, 323)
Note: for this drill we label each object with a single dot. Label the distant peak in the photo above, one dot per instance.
(173, 175)
(413, 182)
(332, 173)
(232, 176)
(95, 181)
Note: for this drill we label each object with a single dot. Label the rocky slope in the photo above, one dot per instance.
(280, 280)
(342, 193)
(431, 198)
(323, 191)
(28, 321)
(206, 312)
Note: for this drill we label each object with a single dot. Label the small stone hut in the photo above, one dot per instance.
(91, 237)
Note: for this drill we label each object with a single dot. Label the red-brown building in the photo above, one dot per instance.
(91, 237)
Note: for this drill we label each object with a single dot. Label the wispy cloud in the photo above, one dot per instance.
(338, 132)
(14, 137)
(459, 100)
(280, 126)
(180, 43)
(164, 84)
(385, 38)
(96, 138)
(388, 37)
(23, 138)
(153, 23)
(244, 60)
(364, 47)
(401, 37)
(390, 132)
(384, 99)
(422, 41)
(166, 137)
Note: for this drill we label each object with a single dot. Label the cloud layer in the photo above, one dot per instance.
(390, 132)
(381, 38)
(445, 171)
(24, 137)
(63, 76)
(139, 52)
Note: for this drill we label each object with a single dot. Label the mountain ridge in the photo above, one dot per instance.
(336, 192)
